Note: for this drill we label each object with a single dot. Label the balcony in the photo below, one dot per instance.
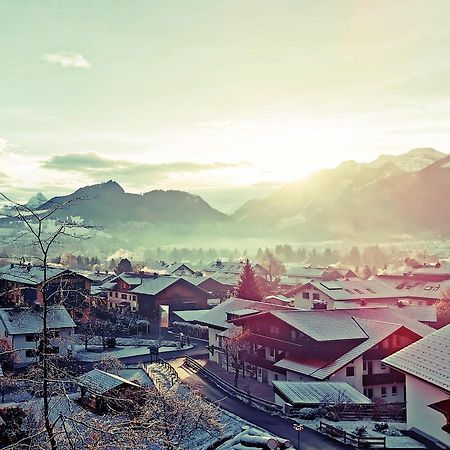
(374, 379)
(276, 343)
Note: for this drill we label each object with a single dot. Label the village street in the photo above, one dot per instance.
(309, 440)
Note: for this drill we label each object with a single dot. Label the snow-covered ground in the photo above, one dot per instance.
(351, 425)
(82, 355)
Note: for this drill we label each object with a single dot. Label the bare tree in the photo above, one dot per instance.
(45, 230)
(443, 309)
(236, 347)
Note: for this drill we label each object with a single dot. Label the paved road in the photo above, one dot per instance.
(309, 440)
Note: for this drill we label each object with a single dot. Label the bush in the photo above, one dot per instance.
(380, 427)
(320, 411)
(361, 431)
(307, 413)
(111, 342)
(392, 432)
(331, 415)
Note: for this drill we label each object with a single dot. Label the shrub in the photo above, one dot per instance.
(307, 413)
(380, 427)
(392, 432)
(361, 431)
(320, 411)
(331, 415)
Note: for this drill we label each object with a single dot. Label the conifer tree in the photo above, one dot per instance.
(247, 287)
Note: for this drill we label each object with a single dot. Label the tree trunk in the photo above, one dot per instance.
(236, 376)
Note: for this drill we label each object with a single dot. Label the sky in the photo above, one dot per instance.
(226, 99)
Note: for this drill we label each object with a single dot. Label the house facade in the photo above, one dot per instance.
(331, 345)
(22, 328)
(426, 365)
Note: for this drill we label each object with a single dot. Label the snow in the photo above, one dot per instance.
(350, 425)
(119, 352)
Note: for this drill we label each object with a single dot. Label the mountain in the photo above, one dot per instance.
(108, 204)
(37, 200)
(394, 195)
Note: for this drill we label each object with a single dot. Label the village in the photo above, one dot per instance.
(319, 354)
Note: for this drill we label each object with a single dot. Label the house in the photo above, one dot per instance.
(279, 300)
(417, 288)
(233, 268)
(312, 394)
(426, 365)
(22, 327)
(100, 390)
(328, 345)
(216, 319)
(173, 268)
(23, 284)
(343, 294)
(145, 294)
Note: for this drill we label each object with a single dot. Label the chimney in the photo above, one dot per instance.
(12, 265)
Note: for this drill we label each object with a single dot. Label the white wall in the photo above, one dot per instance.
(300, 302)
(356, 380)
(213, 340)
(419, 415)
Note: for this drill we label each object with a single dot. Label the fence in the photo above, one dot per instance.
(351, 438)
(244, 396)
(396, 411)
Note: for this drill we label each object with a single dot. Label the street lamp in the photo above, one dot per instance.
(298, 428)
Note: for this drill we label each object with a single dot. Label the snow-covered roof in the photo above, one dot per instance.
(253, 439)
(352, 289)
(153, 286)
(136, 375)
(314, 392)
(99, 382)
(28, 275)
(191, 316)
(29, 320)
(217, 316)
(410, 287)
(427, 359)
(322, 327)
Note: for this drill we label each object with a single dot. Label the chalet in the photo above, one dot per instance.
(216, 319)
(23, 284)
(417, 289)
(173, 268)
(343, 294)
(233, 268)
(22, 328)
(426, 365)
(146, 293)
(101, 390)
(329, 345)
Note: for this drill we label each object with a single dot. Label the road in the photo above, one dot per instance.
(309, 439)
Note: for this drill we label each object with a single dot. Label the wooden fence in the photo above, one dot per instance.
(351, 438)
(246, 397)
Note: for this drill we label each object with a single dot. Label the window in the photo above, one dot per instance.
(368, 392)
(54, 333)
(316, 296)
(394, 391)
(383, 366)
(31, 337)
(274, 330)
(134, 297)
(116, 294)
(272, 352)
(350, 371)
(276, 377)
(30, 353)
(123, 296)
(293, 335)
(365, 366)
(383, 391)
(306, 295)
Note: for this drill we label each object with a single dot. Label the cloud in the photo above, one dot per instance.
(133, 173)
(68, 59)
(4, 144)
(230, 124)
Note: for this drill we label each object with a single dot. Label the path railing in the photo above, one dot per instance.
(351, 438)
(229, 389)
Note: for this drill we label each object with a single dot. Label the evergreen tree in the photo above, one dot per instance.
(247, 287)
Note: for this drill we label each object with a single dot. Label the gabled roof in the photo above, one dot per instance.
(353, 289)
(28, 320)
(99, 382)
(29, 275)
(217, 316)
(153, 286)
(314, 392)
(410, 287)
(322, 327)
(427, 359)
